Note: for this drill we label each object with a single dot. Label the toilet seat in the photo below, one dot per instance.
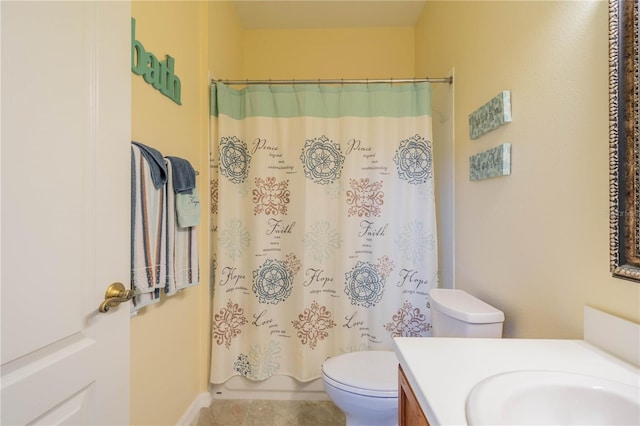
(369, 373)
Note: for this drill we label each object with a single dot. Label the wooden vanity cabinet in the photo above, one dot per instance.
(409, 411)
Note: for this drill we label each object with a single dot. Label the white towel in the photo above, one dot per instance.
(182, 244)
(148, 233)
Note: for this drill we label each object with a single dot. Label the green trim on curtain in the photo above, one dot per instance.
(307, 100)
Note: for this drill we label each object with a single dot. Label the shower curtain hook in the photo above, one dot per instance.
(342, 82)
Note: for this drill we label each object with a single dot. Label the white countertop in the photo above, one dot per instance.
(442, 371)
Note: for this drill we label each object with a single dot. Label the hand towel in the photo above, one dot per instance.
(183, 269)
(156, 164)
(187, 200)
(184, 175)
(148, 232)
(188, 209)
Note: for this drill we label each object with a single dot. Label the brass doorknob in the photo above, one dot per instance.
(116, 294)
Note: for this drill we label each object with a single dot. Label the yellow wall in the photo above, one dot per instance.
(168, 340)
(226, 38)
(329, 53)
(536, 243)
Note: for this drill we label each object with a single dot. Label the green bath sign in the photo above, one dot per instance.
(157, 73)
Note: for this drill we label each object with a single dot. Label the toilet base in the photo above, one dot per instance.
(361, 410)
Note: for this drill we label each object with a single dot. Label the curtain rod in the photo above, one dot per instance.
(340, 81)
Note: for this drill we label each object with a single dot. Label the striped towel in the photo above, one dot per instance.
(182, 244)
(148, 233)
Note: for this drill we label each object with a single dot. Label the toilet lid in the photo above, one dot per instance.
(373, 373)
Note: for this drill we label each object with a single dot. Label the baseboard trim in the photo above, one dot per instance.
(189, 417)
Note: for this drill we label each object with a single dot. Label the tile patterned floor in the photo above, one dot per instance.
(239, 412)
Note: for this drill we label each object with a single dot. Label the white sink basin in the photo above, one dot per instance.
(552, 397)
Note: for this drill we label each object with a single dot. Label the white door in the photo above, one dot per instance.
(65, 134)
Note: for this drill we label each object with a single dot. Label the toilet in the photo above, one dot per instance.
(364, 385)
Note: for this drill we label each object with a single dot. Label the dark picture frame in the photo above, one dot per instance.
(624, 150)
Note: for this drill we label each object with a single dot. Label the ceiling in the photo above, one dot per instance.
(272, 14)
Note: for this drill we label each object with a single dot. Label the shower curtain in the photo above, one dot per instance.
(323, 224)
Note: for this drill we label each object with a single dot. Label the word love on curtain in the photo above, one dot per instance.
(323, 224)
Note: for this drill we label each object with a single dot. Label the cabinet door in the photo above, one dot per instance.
(409, 411)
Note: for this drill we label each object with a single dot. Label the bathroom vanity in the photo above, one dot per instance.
(437, 375)
(409, 411)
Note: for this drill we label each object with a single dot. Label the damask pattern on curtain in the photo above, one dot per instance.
(323, 224)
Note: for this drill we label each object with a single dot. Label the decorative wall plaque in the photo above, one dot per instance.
(491, 163)
(159, 74)
(491, 115)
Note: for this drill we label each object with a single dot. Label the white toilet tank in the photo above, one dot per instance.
(456, 313)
